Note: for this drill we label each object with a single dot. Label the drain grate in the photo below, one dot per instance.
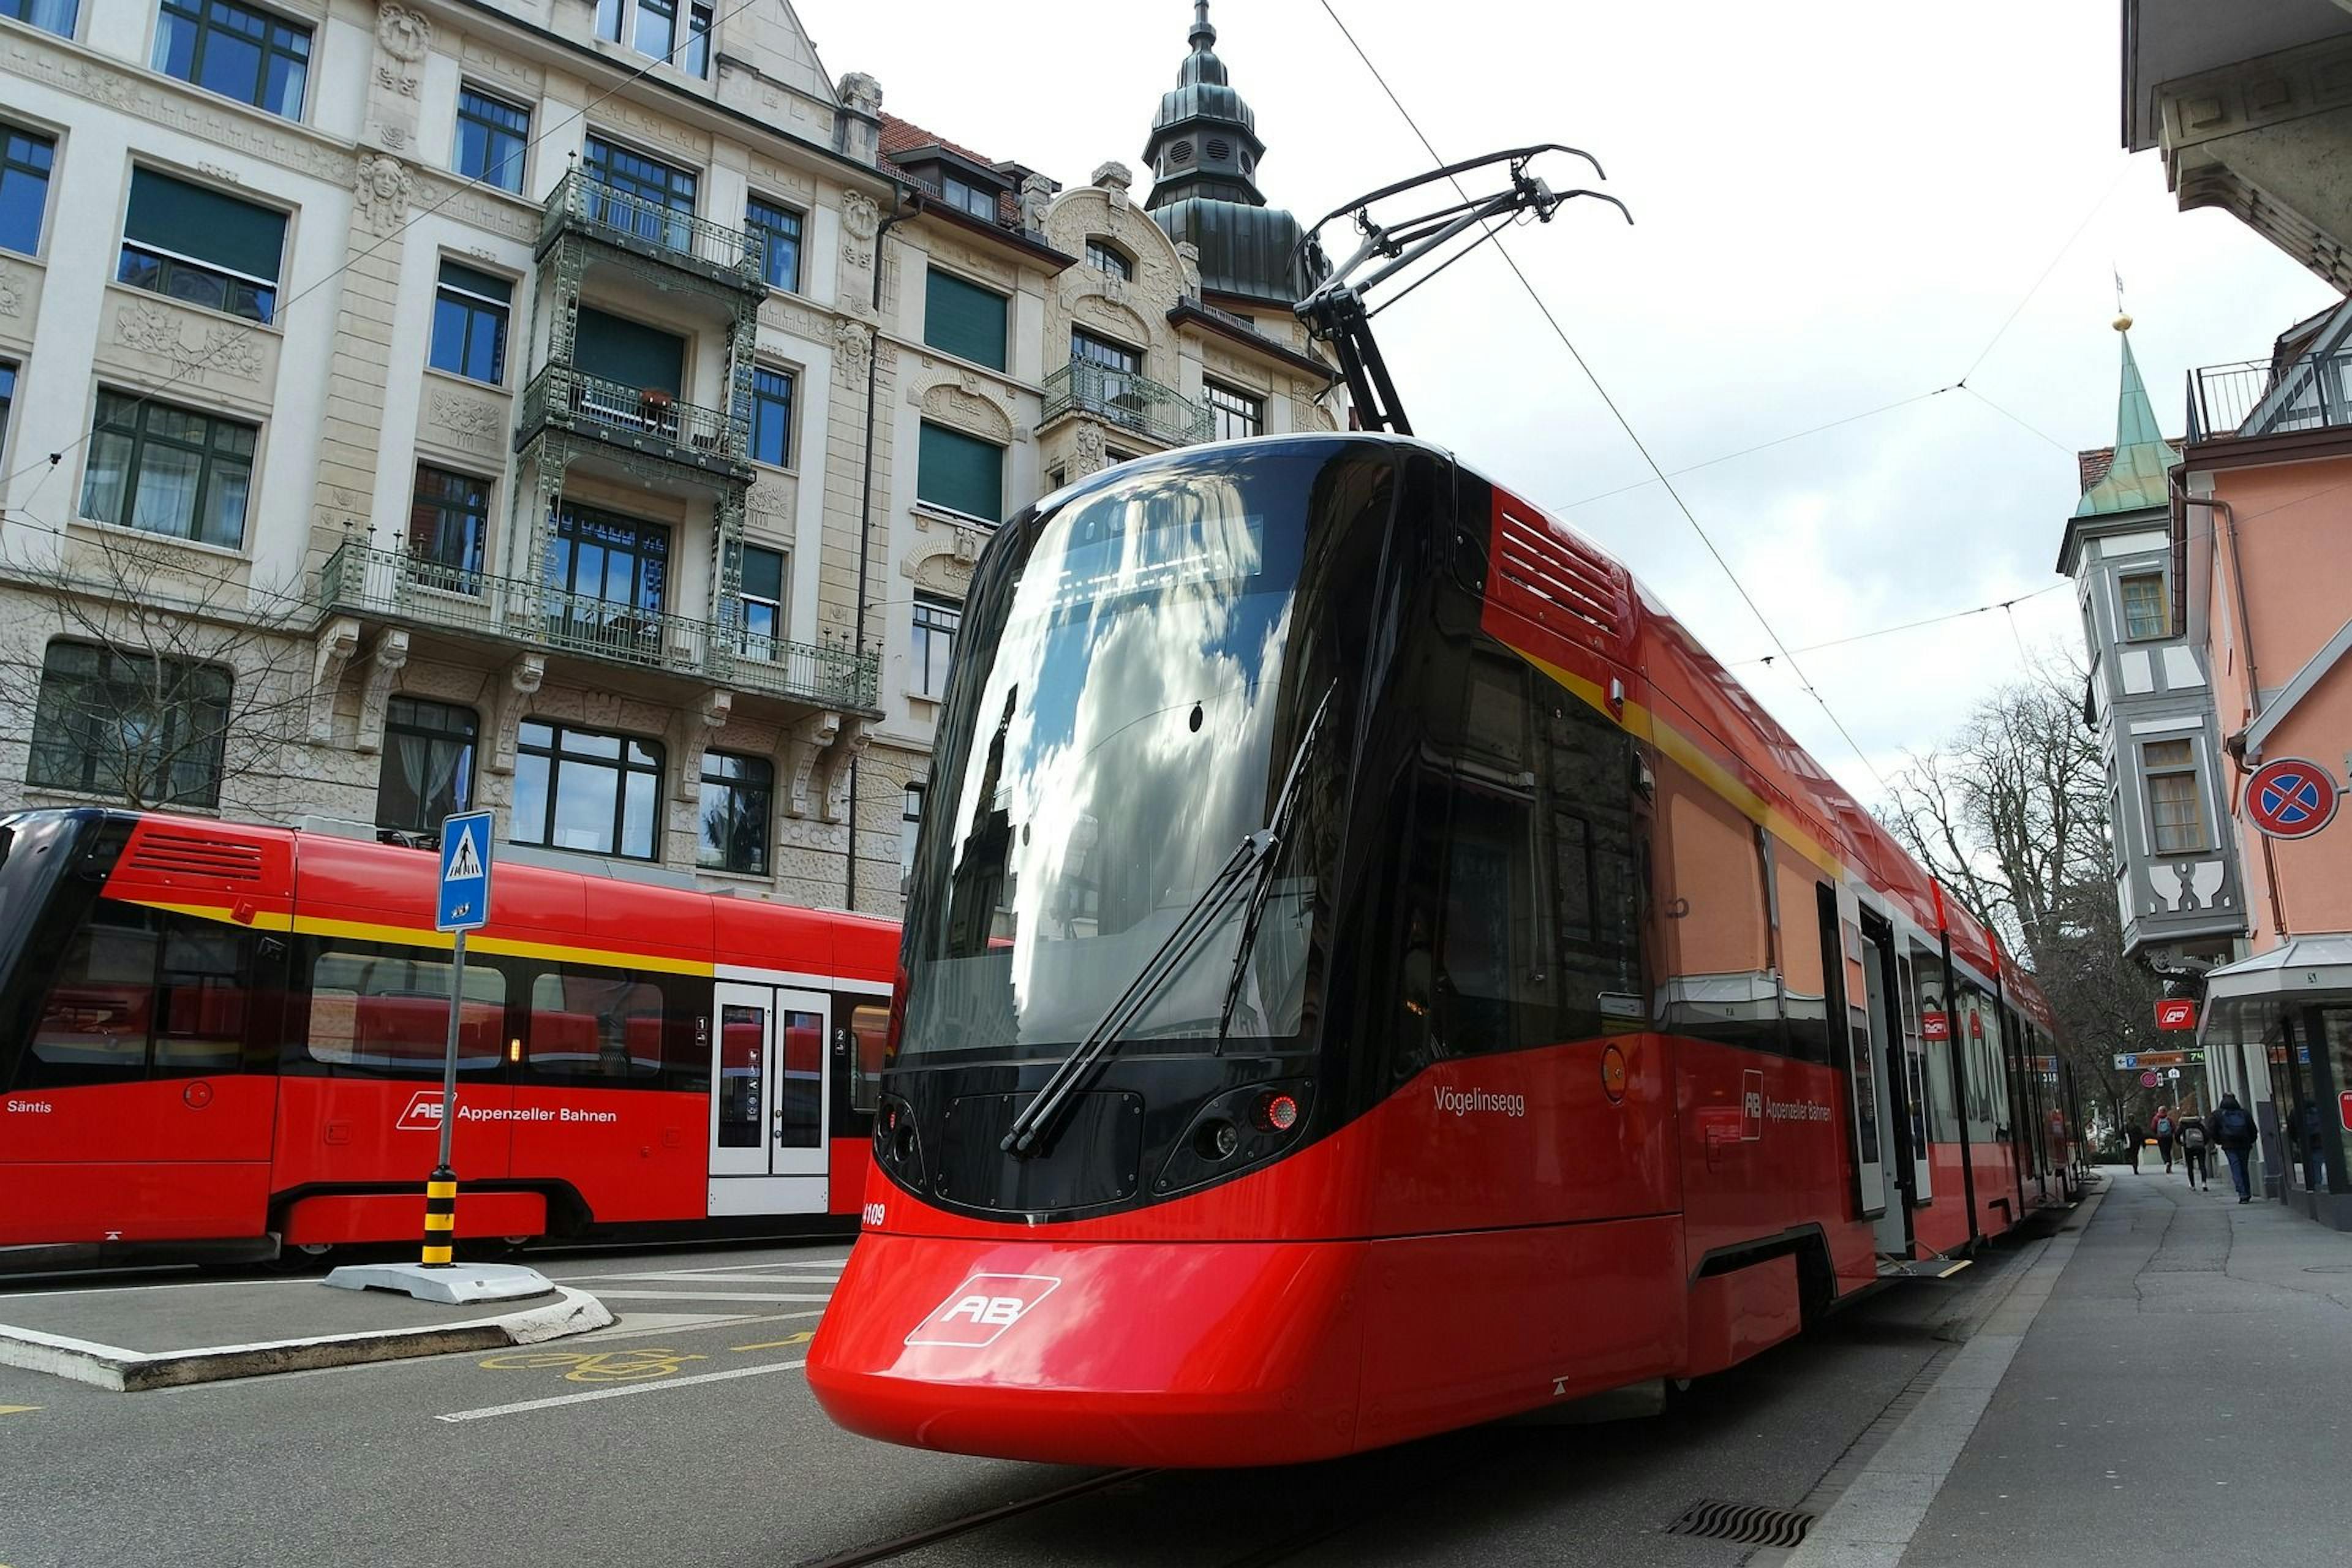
(1743, 1523)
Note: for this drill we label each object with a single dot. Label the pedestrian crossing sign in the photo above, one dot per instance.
(463, 902)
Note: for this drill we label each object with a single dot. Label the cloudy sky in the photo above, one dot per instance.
(1840, 203)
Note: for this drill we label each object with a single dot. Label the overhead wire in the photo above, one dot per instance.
(1623, 423)
(1911, 626)
(196, 363)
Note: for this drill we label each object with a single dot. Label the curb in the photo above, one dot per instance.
(132, 1371)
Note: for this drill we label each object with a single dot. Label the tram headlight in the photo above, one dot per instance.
(1217, 1138)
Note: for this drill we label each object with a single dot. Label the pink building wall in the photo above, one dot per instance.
(2294, 521)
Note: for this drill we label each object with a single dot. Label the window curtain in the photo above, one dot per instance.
(426, 769)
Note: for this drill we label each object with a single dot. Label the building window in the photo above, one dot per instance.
(169, 470)
(2176, 819)
(1237, 414)
(1104, 256)
(640, 197)
(2147, 612)
(771, 417)
(964, 318)
(8, 400)
(449, 526)
(910, 823)
(199, 247)
(51, 16)
(469, 323)
(428, 764)
(936, 622)
(1087, 349)
(582, 789)
(251, 56)
(959, 473)
(677, 31)
(737, 795)
(24, 162)
(145, 730)
(761, 575)
(612, 575)
(492, 137)
(780, 230)
(980, 201)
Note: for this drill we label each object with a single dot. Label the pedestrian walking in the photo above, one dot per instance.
(2195, 1155)
(2233, 1130)
(2162, 1126)
(2131, 1137)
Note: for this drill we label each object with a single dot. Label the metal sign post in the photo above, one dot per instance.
(463, 905)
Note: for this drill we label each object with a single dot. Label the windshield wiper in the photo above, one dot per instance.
(1279, 826)
(1245, 867)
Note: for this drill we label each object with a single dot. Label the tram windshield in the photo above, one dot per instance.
(1127, 705)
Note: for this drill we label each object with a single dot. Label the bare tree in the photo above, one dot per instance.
(2012, 812)
(154, 677)
(2012, 815)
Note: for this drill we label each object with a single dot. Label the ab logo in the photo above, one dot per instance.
(982, 1308)
(424, 1112)
(1751, 1105)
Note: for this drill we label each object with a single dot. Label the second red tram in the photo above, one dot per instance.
(1558, 1024)
(226, 1041)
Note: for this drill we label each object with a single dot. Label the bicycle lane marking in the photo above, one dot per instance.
(523, 1405)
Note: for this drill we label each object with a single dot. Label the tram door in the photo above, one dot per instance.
(1862, 1038)
(1886, 1049)
(769, 1065)
(1915, 1081)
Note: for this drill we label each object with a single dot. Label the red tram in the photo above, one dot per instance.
(225, 1040)
(1558, 1024)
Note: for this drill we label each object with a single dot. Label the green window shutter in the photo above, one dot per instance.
(204, 225)
(960, 473)
(458, 275)
(632, 354)
(964, 319)
(763, 573)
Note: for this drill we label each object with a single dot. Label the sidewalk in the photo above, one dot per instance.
(2177, 1376)
(135, 1337)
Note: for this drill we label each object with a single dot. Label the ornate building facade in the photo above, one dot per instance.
(592, 412)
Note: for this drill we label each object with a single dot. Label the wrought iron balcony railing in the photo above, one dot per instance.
(641, 419)
(640, 223)
(1125, 400)
(2263, 397)
(394, 585)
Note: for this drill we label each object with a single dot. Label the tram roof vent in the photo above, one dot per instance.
(185, 854)
(1564, 580)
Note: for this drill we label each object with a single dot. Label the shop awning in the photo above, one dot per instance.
(2242, 1000)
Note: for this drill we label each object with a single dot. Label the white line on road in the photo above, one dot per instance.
(548, 1404)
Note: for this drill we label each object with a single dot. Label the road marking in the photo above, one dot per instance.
(21, 1409)
(595, 1367)
(523, 1405)
(705, 1296)
(799, 1338)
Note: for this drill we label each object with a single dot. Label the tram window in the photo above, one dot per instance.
(1719, 984)
(141, 991)
(591, 1025)
(383, 1010)
(1809, 928)
(1597, 917)
(1497, 994)
(869, 1026)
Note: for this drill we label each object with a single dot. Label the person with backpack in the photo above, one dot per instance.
(2194, 1152)
(2233, 1130)
(2163, 1127)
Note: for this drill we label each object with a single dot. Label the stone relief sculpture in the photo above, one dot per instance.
(1036, 196)
(403, 33)
(383, 191)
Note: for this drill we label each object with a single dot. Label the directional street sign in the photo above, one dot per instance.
(2127, 1060)
(2291, 797)
(465, 898)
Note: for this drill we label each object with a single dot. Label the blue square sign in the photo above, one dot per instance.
(465, 898)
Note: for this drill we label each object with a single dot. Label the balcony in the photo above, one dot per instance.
(390, 584)
(1128, 401)
(647, 422)
(2267, 397)
(645, 228)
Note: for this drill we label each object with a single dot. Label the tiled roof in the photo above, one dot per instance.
(900, 136)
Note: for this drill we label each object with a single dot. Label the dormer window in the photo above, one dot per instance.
(977, 200)
(1105, 256)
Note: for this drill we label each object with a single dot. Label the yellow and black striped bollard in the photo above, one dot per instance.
(440, 1218)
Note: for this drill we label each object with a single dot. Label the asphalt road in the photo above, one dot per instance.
(686, 1434)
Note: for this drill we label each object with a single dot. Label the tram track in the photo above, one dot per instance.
(979, 1519)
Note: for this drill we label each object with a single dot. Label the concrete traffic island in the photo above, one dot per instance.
(162, 1336)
